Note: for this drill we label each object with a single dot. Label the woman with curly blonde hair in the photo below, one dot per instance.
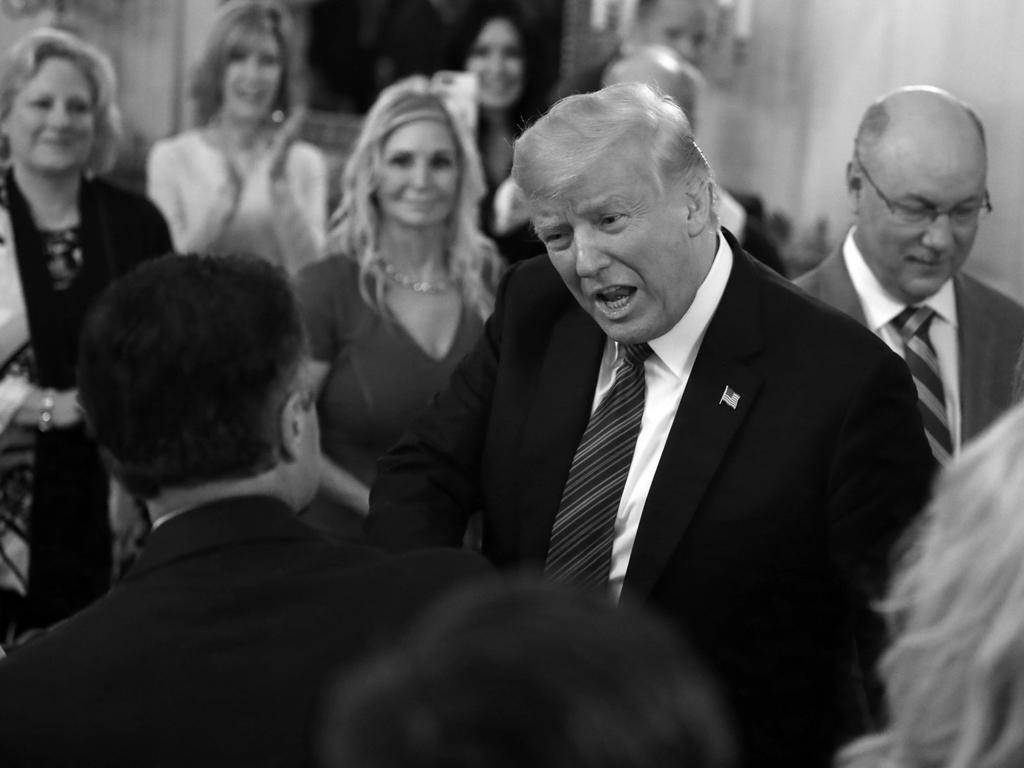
(404, 296)
(954, 674)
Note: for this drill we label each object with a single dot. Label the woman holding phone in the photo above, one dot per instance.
(491, 42)
(241, 182)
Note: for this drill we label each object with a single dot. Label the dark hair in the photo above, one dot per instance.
(536, 85)
(182, 367)
(515, 675)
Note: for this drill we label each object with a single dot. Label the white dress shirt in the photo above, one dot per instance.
(880, 308)
(666, 373)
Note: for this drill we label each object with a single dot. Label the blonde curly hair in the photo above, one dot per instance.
(954, 674)
(473, 261)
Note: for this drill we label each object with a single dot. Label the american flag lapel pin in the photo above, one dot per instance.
(729, 397)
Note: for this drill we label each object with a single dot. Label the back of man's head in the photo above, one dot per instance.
(183, 367)
(663, 68)
(529, 676)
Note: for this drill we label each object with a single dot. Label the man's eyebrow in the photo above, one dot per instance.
(583, 209)
(928, 203)
(600, 203)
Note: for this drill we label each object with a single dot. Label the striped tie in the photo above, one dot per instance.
(581, 539)
(912, 324)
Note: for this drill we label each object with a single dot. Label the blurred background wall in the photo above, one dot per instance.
(782, 124)
(778, 119)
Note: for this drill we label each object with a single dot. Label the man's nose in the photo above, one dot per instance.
(939, 234)
(589, 257)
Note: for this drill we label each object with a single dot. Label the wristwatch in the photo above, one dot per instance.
(46, 410)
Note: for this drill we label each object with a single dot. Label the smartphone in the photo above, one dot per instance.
(459, 91)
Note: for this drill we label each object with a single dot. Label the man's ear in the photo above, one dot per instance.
(698, 207)
(854, 184)
(291, 426)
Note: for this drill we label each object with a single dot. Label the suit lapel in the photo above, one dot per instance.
(835, 287)
(555, 424)
(977, 342)
(703, 427)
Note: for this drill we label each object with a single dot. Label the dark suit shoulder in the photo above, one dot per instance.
(807, 317)
(535, 273)
(435, 568)
(830, 282)
(531, 296)
(254, 627)
(975, 295)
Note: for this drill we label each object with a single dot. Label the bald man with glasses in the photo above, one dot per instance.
(917, 183)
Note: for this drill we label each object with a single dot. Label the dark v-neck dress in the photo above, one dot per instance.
(379, 377)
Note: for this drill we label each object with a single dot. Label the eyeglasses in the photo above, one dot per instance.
(963, 214)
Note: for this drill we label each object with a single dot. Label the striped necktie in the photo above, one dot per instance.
(913, 324)
(581, 538)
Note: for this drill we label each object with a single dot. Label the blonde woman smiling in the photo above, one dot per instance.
(405, 295)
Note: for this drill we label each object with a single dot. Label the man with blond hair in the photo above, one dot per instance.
(654, 416)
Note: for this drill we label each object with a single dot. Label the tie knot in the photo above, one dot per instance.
(913, 321)
(637, 353)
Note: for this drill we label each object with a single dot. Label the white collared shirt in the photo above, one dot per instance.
(666, 373)
(880, 308)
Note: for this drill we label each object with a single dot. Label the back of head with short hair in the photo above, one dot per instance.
(663, 68)
(182, 367)
(579, 132)
(529, 676)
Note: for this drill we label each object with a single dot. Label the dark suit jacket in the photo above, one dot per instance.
(990, 332)
(765, 526)
(212, 650)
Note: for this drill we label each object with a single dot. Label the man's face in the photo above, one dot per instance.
(626, 253)
(912, 260)
(685, 25)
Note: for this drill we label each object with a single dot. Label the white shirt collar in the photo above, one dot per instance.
(678, 346)
(879, 306)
